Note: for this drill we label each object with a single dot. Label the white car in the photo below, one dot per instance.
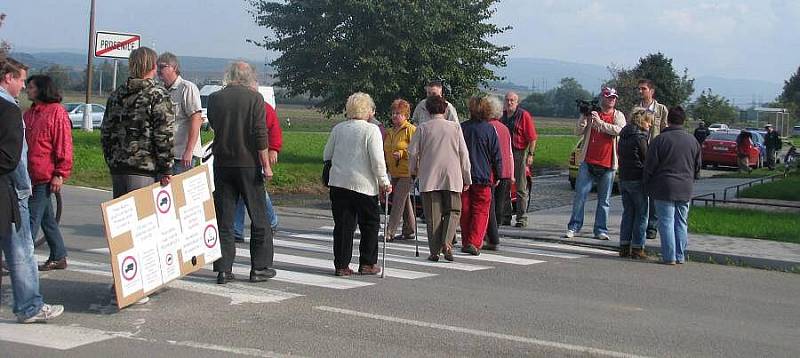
(75, 111)
(267, 92)
(718, 127)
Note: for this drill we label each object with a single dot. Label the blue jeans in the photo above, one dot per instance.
(178, 167)
(588, 175)
(673, 217)
(633, 229)
(18, 248)
(238, 219)
(41, 208)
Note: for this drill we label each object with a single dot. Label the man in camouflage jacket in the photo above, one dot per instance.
(138, 128)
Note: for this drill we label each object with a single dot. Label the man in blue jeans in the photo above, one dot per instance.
(15, 188)
(238, 219)
(673, 163)
(598, 158)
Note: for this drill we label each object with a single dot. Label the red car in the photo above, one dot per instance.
(720, 149)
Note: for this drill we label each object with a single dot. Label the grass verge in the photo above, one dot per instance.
(786, 189)
(745, 223)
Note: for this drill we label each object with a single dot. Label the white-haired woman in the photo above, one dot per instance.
(357, 177)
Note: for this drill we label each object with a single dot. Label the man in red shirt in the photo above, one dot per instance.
(598, 158)
(49, 137)
(523, 145)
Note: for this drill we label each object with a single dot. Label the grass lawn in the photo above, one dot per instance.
(786, 189)
(755, 174)
(299, 165)
(744, 223)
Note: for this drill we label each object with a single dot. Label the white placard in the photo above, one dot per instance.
(211, 174)
(211, 241)
(130, 272)
(192, 219)
(165, 205)
(145, 239)
(121, 217)
(195, 189)
(168, 249)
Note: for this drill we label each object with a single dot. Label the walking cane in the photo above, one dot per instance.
(385, 229)
(416, 220)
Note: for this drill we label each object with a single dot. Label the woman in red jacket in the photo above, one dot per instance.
(49, 136)
(744, 145)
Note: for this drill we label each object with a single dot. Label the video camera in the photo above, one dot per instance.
(586, 107)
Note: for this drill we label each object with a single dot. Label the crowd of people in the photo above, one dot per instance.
(464, 171)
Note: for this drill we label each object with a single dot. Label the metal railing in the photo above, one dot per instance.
(737, 187)
(712, 197)
(702, 198)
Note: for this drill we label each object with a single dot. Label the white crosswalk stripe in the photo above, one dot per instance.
(299, 250)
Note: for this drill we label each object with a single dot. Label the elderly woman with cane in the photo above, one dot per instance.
(395, 148)
(439, 158)
(357, 176)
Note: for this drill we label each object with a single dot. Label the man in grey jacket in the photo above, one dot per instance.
(673, 163)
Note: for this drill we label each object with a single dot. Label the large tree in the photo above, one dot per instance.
(557, 102)
(387, 48)
(790, 97)
(713, 108)
(672, 89)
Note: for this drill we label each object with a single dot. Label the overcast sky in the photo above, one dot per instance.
(752, 39)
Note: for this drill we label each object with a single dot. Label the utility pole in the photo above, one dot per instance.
(87, 114)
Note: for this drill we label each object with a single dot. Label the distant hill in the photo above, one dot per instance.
(545, 74)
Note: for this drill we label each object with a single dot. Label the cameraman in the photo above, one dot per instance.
(598, 162)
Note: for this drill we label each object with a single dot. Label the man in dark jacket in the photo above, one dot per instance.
(773, 143)
(241, 162)
(701, 132)
(15, 188)
(673, 163)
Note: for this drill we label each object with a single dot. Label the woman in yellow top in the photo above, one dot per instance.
(395, 147)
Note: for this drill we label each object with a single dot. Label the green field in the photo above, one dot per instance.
(744, 223)
(786, 189)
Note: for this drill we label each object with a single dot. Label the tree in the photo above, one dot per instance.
(5, 47)
(671, 89)
(557, 102)
(790, 97)
(713, 108)
(60, 76)
(387, 48)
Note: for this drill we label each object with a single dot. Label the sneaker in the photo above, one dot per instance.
(601, 237)
(521, 224)
(570, 234)
(46, 313)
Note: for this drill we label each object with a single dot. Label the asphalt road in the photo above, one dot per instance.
(530, 299)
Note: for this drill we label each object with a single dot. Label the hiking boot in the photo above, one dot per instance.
(625, 250)
(46, 313)
(638, 253)
(369, 269)
(54, 264)
(261, 275)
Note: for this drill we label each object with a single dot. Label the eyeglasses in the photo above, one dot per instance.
(163, 65)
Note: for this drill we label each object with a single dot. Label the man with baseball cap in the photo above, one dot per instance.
(598, 163)
(772, 140)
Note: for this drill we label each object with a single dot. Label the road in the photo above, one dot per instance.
(530, 299)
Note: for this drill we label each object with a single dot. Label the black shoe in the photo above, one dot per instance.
(225, 277)
(490, 247)
(261, 275)
(238, 239)
(433, 258)
(470, 249)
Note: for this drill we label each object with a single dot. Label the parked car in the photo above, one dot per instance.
(75, 111)
(796, 131)
(573, 167)
(718, 127)
(720, 149)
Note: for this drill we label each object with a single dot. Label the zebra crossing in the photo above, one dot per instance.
(303, 260)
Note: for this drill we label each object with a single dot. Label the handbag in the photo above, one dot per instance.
(326, 172)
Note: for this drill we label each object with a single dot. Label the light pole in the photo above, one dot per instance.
(87, 113)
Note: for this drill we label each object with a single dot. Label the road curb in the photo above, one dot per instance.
(694, 255)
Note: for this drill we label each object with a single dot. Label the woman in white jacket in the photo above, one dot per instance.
(357, 177)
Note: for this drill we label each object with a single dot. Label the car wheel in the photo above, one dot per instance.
(704, 165)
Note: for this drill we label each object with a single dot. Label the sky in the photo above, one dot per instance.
(748, 39)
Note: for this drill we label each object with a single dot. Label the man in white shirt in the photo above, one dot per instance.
(421, 115)
(188, 118)
(647, 91)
